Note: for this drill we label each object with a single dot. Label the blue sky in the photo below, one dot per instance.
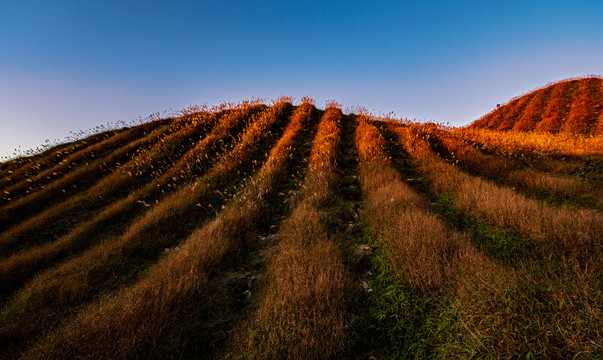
(69, 65)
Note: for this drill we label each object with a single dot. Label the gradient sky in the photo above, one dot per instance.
(69, 65)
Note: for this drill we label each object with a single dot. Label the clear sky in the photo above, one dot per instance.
(69, 65)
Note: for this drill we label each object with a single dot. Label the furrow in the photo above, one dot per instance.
(302, 312)
(21, 266)
(150, 318)
(559, 189)
(73, 182)
(32, 166)
(116, 261)
(81, 158)
(557, 108)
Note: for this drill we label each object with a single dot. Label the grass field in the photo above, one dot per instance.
(282, 231)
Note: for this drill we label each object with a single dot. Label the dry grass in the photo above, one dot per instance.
(572, 233)
(21, 169)
(21, 266)
(302, 312)
(451, 265)
(424, 253)
(146, 318)
(527, 180)
(533, 111)
(585, 108)
(25, 207)
(518, 144)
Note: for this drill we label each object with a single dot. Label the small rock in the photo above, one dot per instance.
(363, 251)
(366, 285)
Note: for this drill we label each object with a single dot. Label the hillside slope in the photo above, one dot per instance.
(281, 231)
(570, 106)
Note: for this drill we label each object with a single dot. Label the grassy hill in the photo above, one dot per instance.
(286, 231)
(570, 106)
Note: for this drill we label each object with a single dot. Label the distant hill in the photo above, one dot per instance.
(569, 106)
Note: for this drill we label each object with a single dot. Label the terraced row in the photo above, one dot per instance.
(571, 106)
(284, 231)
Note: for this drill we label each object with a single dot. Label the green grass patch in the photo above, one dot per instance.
(394, 322)
(503, 244)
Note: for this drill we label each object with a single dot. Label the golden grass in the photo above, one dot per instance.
(19, 267)
(423, 252)
(21, 169)
(518, 144)
(527, 180)
(302, 312)
(35, 202)
(533, 111)
(146, 318)
(570, 234)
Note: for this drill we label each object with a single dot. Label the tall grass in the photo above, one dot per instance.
(21, 266)
(22, 169)
(558, 188)
(48, 297)
(63, 187)
(557, 109)
(585, 108)
(519, 144)
(148, 318)
(533, 111)
(302, 312)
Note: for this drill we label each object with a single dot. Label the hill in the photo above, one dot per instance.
(287, 231)
(571, 106)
